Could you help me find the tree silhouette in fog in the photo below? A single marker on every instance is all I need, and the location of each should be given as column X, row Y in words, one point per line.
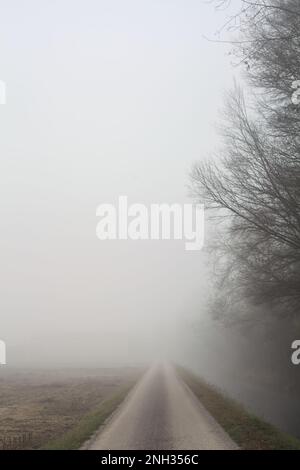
column 254, row 184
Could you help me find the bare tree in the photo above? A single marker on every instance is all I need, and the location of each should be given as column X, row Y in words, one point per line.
column 256, row 180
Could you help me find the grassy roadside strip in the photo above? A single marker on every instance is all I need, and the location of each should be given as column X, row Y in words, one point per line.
column 246, row 429
column 88, row 424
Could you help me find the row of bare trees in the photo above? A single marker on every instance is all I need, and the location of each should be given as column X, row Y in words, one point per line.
column 254, row 183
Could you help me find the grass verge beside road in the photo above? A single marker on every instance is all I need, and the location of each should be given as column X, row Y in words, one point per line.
column 88, row 424
column 244, row 428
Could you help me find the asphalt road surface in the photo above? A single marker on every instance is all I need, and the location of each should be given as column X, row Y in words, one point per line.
column 161, row 412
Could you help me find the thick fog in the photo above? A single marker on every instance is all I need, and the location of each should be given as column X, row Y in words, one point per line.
column 104, row 98
column 110, row 98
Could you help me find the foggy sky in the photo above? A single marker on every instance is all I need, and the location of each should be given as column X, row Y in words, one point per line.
column 104, row 98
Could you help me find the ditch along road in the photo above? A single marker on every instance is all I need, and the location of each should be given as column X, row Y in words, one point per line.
column 161, row 413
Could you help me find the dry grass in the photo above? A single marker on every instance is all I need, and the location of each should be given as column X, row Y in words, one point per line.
column 39, row 406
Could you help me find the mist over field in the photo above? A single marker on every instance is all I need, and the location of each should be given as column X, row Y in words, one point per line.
column 103, row 100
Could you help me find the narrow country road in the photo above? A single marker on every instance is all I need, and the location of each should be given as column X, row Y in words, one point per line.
column 161, row 413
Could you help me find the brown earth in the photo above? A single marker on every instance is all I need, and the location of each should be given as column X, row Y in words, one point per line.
column 37, row 406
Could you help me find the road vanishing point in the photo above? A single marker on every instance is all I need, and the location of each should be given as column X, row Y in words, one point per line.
column 161, row 413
